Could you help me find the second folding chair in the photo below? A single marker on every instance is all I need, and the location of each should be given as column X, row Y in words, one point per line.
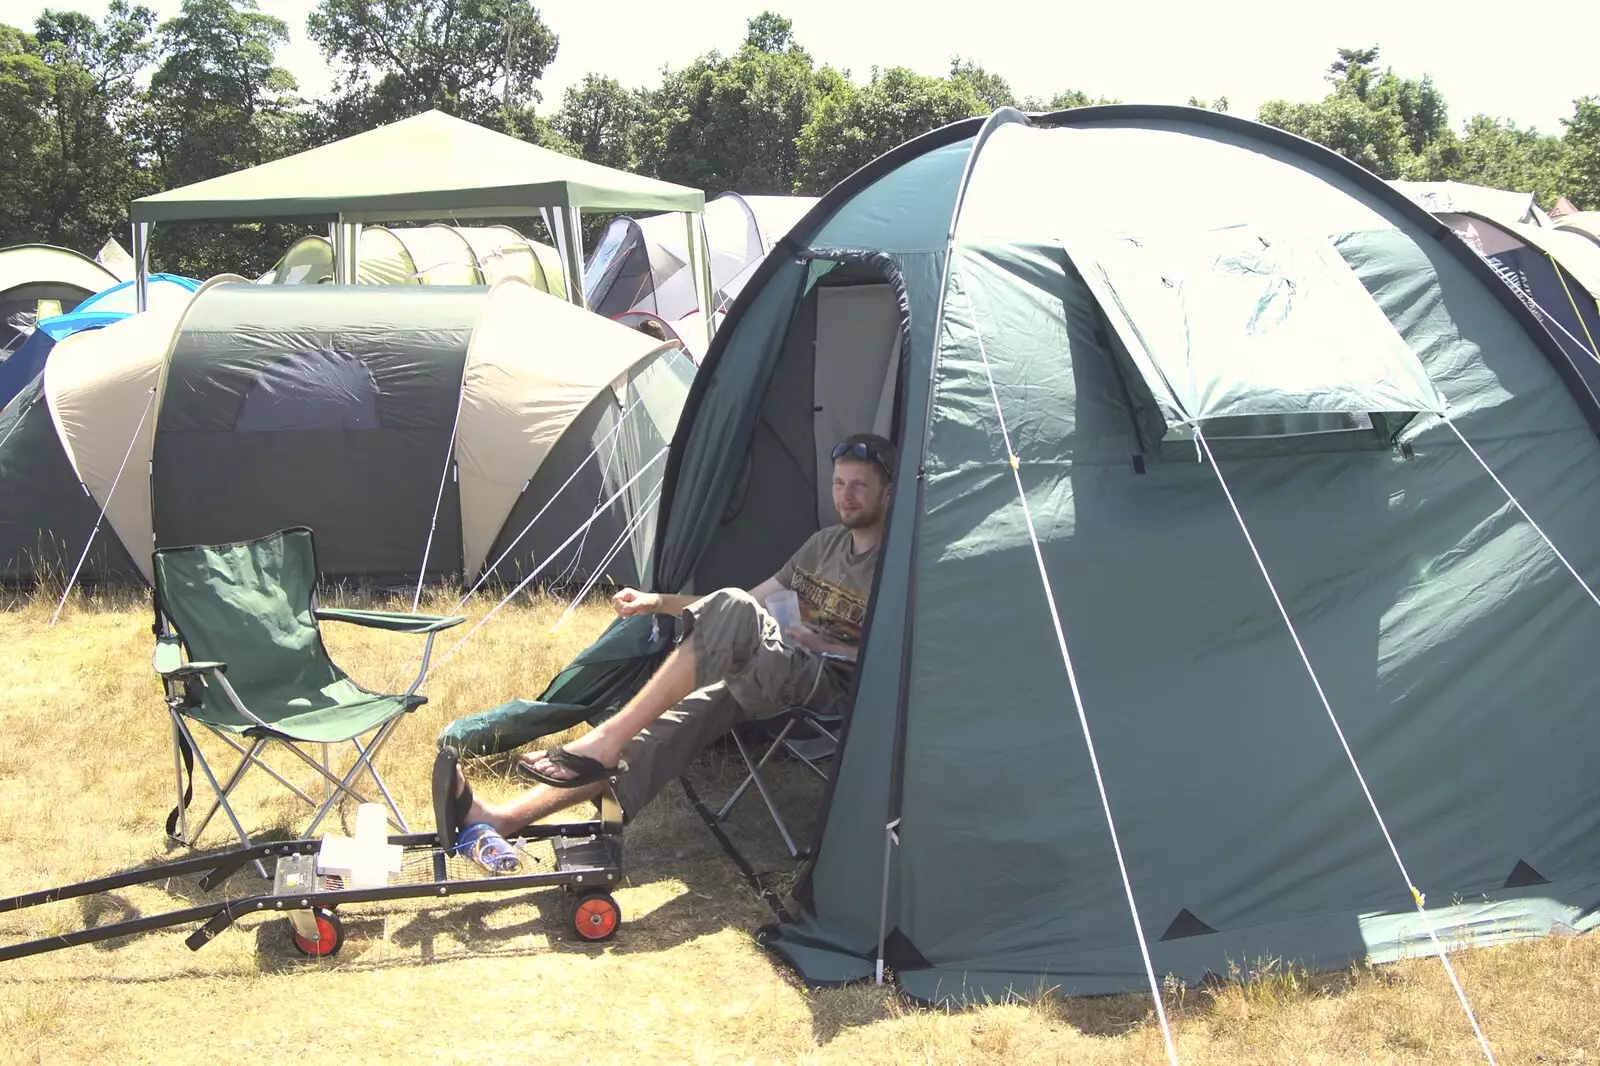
column 240, row 653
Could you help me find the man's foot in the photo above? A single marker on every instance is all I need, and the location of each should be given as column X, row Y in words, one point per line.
column 571, row 765
column 479, row 812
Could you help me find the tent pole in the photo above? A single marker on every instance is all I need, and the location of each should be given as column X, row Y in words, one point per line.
column 141, row 266
column 341, row 264
column 573, row 218
column 700, row 263
column 353, row 246
column 336, row 235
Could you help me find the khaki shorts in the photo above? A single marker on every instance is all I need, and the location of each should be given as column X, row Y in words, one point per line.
column 744, row 671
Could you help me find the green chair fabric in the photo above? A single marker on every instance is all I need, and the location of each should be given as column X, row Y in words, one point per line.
column 592, row 688
column 249, row 606
column 239, row 651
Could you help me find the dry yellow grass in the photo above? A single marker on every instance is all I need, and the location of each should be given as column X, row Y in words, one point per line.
column 84, row 755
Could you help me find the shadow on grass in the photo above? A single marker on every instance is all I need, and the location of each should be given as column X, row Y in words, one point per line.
column 668, row 842
column 109, row 908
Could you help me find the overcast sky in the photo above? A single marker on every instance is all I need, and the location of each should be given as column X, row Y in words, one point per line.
column 1491, row 59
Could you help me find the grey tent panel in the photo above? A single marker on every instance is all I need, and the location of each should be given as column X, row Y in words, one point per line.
column 45, row 515
column 550, row 509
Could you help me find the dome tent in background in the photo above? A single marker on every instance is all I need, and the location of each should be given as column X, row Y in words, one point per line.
column 496, row 394
column 438, row 254
column 1556, row 271
column 639, row 268
column 1458, row 197
column 98, row 311
column 40, row 280
column 1583, row 223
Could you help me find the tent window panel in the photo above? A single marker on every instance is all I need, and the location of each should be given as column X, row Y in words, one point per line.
column 1240, row 324
column 857, row 361
column 321, row 388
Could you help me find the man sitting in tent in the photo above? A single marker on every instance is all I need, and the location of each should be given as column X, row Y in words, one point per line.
column 731, row 665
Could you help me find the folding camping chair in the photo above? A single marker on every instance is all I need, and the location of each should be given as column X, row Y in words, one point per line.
column 257, row 671
column 822, row 745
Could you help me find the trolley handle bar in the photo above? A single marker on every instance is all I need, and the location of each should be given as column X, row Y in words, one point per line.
column 228, row 861
column 218, row 866
column 218, row 916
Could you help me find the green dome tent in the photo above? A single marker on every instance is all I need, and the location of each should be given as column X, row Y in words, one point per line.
column 1584, row 223
column 42, row 280
column 401, row 425
column 984, row 292
column 428, row 255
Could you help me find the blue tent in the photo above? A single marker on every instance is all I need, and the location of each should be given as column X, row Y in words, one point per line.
column 97, row 312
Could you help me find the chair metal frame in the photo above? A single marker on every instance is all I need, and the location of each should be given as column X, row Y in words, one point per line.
column 334, row 787
column 826, row 725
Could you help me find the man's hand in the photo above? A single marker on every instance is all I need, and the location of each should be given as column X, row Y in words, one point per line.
column 805, row 637
column 630, row 602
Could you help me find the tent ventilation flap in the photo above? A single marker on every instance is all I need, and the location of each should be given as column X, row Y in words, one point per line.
column 1253, row 334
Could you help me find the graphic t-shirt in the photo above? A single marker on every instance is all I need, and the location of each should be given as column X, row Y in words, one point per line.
column 832, row 583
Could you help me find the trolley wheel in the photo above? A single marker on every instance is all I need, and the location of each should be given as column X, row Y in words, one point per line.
column 330, row 933
column 596, row 916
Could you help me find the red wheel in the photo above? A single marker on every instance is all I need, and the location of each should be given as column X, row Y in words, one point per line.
column 596, row 916
column 330, row 936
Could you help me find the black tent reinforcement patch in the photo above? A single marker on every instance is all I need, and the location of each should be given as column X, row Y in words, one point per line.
column 1523, row 875
column 901, row 954
column 1186, row 924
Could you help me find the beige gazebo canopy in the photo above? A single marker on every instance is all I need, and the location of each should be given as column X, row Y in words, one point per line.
column 429, row 166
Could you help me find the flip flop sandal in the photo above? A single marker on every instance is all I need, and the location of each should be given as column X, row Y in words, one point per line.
column 484, row 846
column 586, row 771
column 449, row 810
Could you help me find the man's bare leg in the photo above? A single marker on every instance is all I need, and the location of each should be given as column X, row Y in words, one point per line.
column 605, row 742
column 540, row 801
column 665, row 689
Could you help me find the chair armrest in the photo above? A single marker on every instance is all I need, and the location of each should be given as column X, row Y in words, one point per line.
column 393, row 621
column 168, row 661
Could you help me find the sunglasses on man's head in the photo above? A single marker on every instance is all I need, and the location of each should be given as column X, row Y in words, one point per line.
column 860, row 450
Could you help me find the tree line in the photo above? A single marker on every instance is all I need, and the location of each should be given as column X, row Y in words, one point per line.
column 94, row 114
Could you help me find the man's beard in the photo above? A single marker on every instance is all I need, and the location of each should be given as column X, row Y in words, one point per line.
column 866, row 516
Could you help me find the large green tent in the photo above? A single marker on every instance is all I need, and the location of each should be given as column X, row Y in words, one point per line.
column 986, row 292
column 430, row 432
